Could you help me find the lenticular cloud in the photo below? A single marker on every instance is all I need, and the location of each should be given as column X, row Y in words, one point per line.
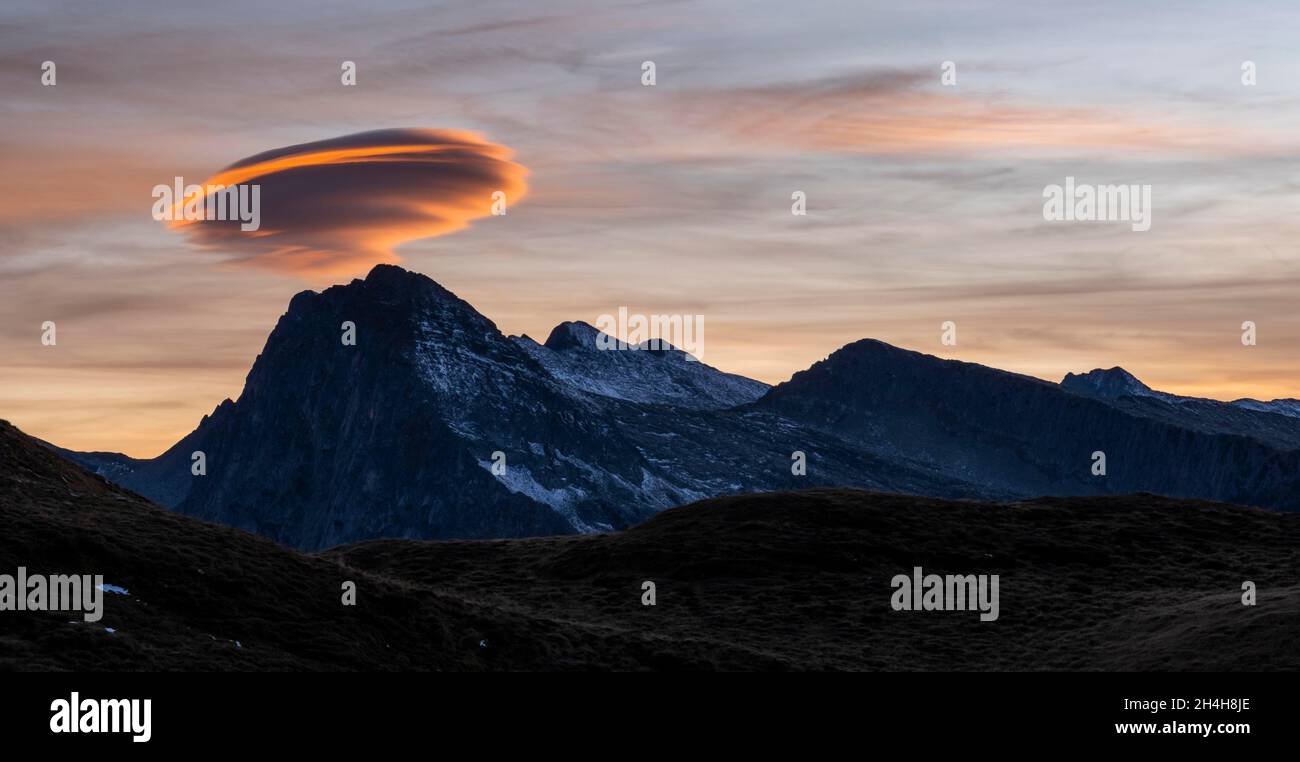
column 341, row 205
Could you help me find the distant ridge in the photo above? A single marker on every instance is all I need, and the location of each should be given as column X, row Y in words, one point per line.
column 1110, row 384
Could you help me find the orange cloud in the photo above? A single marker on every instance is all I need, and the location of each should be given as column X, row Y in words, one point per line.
column 339, row 206
column 907, row 113
column 925, row 123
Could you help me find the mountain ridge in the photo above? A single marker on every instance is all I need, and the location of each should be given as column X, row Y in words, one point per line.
column 435, row 424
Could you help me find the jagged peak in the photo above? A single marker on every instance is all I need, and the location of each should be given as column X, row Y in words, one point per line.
column 391, row 279
column 875, row 348
column 1109, row 382
column 571, row 334
column 384, row 283
column 386, row 272
column 578, row 334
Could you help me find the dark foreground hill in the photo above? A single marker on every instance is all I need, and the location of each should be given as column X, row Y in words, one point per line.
column 772, row 581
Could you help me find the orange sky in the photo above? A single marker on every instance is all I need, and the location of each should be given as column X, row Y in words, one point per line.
column 924, row 200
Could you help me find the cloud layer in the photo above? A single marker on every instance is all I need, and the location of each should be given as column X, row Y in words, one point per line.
column 339, row 206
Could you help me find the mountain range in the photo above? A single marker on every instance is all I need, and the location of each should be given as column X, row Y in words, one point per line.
column 435, row 424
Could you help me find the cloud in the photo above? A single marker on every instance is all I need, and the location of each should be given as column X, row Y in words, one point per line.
column 339, row 206
column 905, row 112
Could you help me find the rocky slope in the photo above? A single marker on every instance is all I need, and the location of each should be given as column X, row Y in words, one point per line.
column 664, row 375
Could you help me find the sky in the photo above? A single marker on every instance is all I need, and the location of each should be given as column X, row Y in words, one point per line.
column 924, row 199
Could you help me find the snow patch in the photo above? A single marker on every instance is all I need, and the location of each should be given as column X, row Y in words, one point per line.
column 520, row 480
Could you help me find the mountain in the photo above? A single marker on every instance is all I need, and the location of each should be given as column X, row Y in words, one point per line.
column 1109, row 384
column 664, row 375
column 776, row 581
column 1004, row 431
column 1117, row 382
column 1273, row 423
column 436, row 425
column 1288, row 407
column 397, row 435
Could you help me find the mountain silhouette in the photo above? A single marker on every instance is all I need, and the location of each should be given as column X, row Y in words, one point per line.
column 1005, row 431
column 434, row 424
